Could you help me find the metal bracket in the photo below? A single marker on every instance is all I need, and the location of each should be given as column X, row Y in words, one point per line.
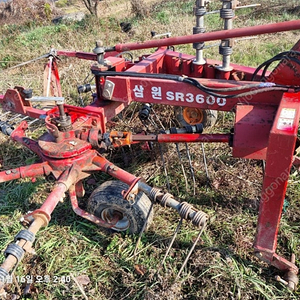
column 108, row 90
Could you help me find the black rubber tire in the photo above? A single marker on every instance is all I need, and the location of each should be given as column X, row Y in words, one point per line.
column 107, row 198
column 209, row 117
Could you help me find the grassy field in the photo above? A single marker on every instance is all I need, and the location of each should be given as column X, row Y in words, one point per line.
column 73, row 250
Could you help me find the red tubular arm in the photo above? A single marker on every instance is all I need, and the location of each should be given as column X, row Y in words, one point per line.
column 211, row 36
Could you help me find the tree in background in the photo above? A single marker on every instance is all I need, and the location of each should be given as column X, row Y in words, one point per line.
column 92, row 6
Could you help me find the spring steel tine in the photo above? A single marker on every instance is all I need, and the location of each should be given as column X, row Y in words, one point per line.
column 81, row 100
column 172, row 241
column 49, row 76
column 182, row 167
column 205, row 165
column 164, row 166
column 15, row 117
column 153, row 122
column 33, row 121
column 23, row 119
column 190, row 252
column 145, row 124
column 191, row 168
column 133, row 113
column 4, row 114
column 158, row 119
column 29, row 61
column 143, row 229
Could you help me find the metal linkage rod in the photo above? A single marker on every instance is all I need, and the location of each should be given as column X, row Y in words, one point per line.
column 182, row 138
column 211, row 36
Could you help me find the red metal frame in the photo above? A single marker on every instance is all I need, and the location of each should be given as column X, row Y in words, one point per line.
column 265, row 128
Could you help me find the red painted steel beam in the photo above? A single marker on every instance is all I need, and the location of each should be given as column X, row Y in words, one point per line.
column 211, row 36
column 55, row 196
column 279, row 160
column 26, row 171
column 114, row 171
column 287, row 71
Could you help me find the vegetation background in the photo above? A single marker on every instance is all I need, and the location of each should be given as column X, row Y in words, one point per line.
column 223, row 265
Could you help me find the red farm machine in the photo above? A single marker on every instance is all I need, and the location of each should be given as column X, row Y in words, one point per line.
column 265, row 104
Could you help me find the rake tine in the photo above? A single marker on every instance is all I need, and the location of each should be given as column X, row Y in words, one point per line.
column 143, row 229
column 158, row 119
column 172, row 241
column 153, row 123
column 134, row 110
column 145, row 124
column 164, row 166
column 24, row 119
column 3, row 122
column 124, row 156
column 28, row 62
column 33, row 121
column 191, row 168
column 15, row 117
column 4, row 114
column 182, row 167
column 190, row 252
column 81, row 100
column 205, row 165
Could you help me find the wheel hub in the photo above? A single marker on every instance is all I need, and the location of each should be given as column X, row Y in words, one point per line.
column 192, row 115
column 109, row 214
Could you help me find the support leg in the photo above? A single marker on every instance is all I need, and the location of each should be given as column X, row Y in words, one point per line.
column 278, row 164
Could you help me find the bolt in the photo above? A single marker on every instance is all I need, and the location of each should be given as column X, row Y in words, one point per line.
column 279, row 279
column 99, row 43
column 131, row 197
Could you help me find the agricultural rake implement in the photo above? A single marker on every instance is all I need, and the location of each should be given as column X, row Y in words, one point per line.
column 265, row 104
